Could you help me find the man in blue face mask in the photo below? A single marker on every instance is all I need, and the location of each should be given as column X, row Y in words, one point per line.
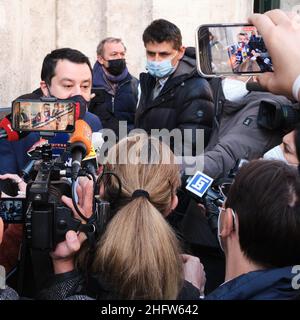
column 173, row 95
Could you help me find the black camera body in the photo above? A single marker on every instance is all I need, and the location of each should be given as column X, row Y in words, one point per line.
column 215, row 194
column 47, row 220
column 273, row 115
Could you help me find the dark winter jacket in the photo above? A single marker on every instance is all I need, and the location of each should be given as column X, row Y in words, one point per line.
column 73, row 284
column 271, row 284
column 112, row 107
column 236, row 134
column 185, row 102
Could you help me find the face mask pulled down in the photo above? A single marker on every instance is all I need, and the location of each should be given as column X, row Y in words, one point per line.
column 234, row 90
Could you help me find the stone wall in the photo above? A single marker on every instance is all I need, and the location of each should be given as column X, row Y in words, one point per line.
column 29, row 29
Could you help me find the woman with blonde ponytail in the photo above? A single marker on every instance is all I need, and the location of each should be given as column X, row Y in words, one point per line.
column 138, row 256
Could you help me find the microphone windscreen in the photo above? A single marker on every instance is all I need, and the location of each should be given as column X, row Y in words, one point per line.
column 82, row 133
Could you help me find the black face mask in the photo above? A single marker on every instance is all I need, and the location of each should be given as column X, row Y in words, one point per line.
column 81, row 106
column 116, row 67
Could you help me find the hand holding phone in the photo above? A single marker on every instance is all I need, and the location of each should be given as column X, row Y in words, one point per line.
column 231, row 49
column 281, row 33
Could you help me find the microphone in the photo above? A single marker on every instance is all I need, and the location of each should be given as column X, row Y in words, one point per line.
column 90, row 162
column 81, row 106
column 7, row 131
column 80, row 145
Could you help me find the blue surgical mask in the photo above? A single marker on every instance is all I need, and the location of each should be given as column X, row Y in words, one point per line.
column 160, row 69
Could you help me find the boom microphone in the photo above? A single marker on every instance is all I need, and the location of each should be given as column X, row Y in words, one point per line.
column 80, row 145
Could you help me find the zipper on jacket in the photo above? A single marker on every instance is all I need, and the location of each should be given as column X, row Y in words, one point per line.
column 113, row 104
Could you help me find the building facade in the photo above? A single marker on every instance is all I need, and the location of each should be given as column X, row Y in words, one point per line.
column 29, row 29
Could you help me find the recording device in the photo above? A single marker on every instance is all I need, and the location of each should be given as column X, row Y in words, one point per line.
column 81, row 142
column 12, row 210
column 7, row 132
column 273, row 115
column 211, row 193
column 46, row 114
column 9, row 186
column 231, row 49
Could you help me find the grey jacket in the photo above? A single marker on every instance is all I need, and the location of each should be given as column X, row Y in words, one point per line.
column 237, row 136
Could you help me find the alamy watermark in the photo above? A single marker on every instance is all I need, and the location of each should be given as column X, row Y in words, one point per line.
column 296, row 279
column 187, row 145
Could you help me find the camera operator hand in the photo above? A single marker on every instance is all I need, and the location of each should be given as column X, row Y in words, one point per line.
column 281, row 34
column 63, row 255
column 85, row 193
column 194, row 272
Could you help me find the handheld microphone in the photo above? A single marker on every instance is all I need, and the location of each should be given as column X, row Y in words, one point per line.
column 7, row 131
column 90, row 162
column 80, row 145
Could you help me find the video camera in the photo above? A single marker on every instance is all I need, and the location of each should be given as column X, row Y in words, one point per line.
column 274, row 115
column 46, row 219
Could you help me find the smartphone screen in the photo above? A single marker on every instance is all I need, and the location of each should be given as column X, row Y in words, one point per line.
column 58, row 116
column 231, row 49
column 12, row 210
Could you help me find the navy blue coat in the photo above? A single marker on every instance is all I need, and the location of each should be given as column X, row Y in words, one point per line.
column 270, row 284
column 112, row 107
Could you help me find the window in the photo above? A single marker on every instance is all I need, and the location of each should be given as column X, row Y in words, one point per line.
column 261, row 6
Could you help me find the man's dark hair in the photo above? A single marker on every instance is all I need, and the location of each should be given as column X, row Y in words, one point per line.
column 266, row 199
column 50, row 61
column 162, row 30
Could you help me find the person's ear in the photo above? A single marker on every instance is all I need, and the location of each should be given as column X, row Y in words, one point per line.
column 227, row 224
column 181, row 52
column 44, row 89
column 1, row 229
column 174, row 203
column 100, row 60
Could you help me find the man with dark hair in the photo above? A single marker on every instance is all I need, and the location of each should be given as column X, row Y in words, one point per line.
column 173, row 95
column 65, row 73
column 259, row 230
column 115, row 88
column 51, row 60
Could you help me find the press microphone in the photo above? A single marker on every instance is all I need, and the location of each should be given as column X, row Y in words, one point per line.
column 6, row 130
column 80, row 145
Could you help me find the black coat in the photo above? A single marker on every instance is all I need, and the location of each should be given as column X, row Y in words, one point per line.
column 112, row 107
column 185, row 102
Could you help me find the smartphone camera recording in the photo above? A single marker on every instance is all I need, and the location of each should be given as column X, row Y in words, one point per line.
column 231, row 49
column 41, row 116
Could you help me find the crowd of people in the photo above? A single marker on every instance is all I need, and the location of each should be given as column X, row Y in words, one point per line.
column 157, row 243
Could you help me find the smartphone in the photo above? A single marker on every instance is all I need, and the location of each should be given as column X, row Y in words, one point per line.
column 49, row 116
column 231, row 49
column 13, row 210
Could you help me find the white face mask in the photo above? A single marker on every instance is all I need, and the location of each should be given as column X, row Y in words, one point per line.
column 234, row 90
column 275, row 154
